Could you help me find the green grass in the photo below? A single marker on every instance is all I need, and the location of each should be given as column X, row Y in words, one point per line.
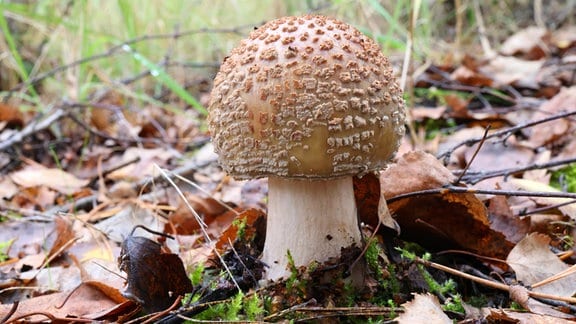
column 46, row 34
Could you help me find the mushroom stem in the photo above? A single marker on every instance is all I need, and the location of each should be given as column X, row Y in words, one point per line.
column 313, row 219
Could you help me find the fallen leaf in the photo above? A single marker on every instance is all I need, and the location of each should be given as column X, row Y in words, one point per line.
column 64, row 235
column 253, row 222
column 184, row 222
column 503, row 220
column 559, row 130
column 498, row 155
column 57, row 179
column 155, row 279
column 527, row 43
column 145, row 167
column 533, row 262
column 424, row 308
column 505, row 70
column 439, row 221
column 510, row 316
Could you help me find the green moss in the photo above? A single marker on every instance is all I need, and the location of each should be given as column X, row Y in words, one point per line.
column 565, row 178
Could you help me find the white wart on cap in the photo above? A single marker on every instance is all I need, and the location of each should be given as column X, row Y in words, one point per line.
column 305, row 97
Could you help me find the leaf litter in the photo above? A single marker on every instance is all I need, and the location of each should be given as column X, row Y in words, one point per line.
column 463, row 195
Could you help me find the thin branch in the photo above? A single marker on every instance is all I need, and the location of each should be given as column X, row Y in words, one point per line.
column 454, row 189
column 473, row 177
column 33, row 127
column 507, row 132
column 492, row 284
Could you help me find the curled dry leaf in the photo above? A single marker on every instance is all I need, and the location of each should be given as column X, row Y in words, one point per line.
column 155, row 279
column 439, row 221
column 371, row 208
column 424, row 308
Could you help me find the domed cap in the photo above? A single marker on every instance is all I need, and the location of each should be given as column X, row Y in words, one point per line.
column 305, row 97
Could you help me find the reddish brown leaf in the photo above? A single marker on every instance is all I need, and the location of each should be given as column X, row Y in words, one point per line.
column 367, row 194
column 254, row 221
column 184, row 222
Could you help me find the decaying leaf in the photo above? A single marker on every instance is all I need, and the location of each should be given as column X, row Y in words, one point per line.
column 184, row 222
column 57, row 179
column 559, row 130
column 439, row 221
column 155, row 279
column 424, row 308
column 371, row 208
column 250, row 223
column 533, row 262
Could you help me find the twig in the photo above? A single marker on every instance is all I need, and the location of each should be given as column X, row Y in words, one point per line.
column 454, row 189
column 10, row 312
column 492, row 284
column 473, row 156
column 508, row 131
column 474, row 177
column 32, row 128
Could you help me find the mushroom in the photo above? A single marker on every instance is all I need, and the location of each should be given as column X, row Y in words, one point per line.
column 308, row 102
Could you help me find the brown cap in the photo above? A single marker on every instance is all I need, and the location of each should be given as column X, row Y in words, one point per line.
column 305, row 97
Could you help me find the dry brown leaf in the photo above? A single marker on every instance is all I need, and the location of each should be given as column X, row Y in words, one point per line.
column 533, row 262
column 255, row 226
column 414, row 171
column 64, row 235
column 145, row 166
column 503, row 220
column 11, row 116
column 527, row 43
column 509, row 316
column 559, row 130
column 506, row 71
column 84, row 301
column 421, row 113
column 184, row 222
column 472, row 78
column 372, row 207
column 439, row 221
column 57, row 179
column 424, row 308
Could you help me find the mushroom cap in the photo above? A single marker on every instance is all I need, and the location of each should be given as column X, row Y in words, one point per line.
column 305, row 97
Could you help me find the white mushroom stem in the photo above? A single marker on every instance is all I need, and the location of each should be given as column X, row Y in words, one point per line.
column 313, row 219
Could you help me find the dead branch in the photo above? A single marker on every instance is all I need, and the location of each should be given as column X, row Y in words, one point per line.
column 35, row 126
column 473, row 177
column 507, row 132
column 454, row 189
